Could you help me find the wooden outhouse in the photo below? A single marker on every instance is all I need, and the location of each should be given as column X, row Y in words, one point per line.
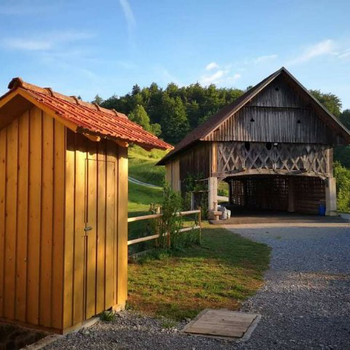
column 273, row 146
column 63, row 207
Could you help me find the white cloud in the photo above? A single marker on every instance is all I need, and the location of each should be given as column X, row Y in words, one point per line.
column 211, row 66
column 213, row 78
column 219, row 77
column 344, row 54
column 323, row 48
column 264, row 58
column 128, row 13
column 44, row 43
column 28, row 45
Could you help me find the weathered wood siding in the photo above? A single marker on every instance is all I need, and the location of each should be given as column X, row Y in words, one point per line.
column 32, row 156
column 172, row 174
column 196, row 162
column 277, row 114
column 95, row 276
column 309, row 194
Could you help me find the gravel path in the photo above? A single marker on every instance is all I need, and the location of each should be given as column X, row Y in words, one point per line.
column 305, row 303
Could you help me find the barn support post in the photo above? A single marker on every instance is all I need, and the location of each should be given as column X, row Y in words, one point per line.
column 331, row 197
column 291, row 191
column 212, row 193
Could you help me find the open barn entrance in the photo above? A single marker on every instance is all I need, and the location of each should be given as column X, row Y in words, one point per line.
column 276, row 193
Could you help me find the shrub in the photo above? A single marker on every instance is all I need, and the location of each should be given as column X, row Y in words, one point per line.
column 342, row 176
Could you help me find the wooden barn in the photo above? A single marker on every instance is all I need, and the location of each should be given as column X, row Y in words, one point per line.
column 273, row 146
column 63, row 207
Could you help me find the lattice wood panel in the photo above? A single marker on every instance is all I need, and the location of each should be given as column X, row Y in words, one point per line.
column 240, row 157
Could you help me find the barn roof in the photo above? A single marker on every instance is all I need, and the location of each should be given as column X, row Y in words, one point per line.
column 82, row 117
column 200, row 133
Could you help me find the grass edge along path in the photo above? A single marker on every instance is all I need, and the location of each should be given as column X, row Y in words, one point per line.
column 223, row 272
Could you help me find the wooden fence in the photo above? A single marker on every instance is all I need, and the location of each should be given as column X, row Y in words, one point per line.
column 157, row 216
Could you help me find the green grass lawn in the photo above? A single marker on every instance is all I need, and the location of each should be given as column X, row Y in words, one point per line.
column 221, row 273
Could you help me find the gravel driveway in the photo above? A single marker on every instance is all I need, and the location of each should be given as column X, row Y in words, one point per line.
column 305, row 303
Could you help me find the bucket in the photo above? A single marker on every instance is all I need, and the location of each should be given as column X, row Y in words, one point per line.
column 322, row 210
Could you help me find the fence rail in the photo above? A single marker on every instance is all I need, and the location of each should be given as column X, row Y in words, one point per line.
column 157, row 216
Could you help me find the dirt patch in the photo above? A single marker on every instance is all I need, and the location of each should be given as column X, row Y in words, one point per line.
column 14, row 337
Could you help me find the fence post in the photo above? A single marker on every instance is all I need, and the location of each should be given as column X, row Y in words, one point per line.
column 200, row 224
column 157, row 226
column 169, row 241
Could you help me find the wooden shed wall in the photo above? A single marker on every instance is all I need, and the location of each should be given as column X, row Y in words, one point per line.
column 195, row 161
column 96, row 196
column 277, row 114
column 32, row 157
column 172, row 174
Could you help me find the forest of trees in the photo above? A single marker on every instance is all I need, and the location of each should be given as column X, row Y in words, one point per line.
column 172, row 112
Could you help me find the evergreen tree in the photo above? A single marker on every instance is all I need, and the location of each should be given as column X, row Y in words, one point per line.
column 140, row 116
column 98, row 100
column 174, row 122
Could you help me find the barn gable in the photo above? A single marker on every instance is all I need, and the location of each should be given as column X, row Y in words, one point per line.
column 279, row 113
column 317, row 125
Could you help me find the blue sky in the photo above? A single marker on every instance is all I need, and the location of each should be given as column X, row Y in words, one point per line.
column 87, row 47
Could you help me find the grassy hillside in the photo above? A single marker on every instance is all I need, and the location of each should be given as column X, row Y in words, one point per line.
column 140, row 198
column 142, row 165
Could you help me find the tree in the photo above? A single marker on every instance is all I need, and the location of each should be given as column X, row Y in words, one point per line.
column 174, row 122
column 140, row 116
column 135, row 90
column 345, row 118
column 98, row 100
column 330, row 101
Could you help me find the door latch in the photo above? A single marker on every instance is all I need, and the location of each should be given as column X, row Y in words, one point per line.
column 87, row 228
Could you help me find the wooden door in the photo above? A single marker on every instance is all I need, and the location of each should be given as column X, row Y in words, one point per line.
column 98, row 235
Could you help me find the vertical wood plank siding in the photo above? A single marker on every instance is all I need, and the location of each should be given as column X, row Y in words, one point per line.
column 32, row 150
column 54, row 184
column 195, row 162
column 96, row 196
column 277, row 114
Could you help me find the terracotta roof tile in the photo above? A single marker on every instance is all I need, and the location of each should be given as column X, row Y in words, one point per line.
column 91, row 118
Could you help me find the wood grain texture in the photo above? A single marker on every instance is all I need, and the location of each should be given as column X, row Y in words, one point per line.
column 34, row 223
column 46, row 220
column 101, row 228
column 53, row 274
column 58, row 225
column 11, row 220
column 122, row 237
column 79, row 236
column 3, row 165
column 91, row 235
column 69, row 231
column 22, row 233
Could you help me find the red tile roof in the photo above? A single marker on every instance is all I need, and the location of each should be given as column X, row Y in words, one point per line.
column 90, row 118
